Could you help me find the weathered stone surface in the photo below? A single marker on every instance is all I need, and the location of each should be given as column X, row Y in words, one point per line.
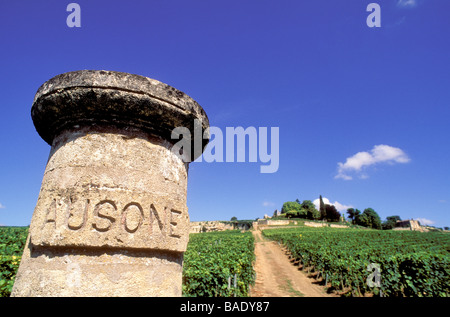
column 97, row 98
column 111, row 218
column 209, row 226
column 98, row 272
column 112, row 189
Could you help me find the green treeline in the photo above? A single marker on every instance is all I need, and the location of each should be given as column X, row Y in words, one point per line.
column 306, row 209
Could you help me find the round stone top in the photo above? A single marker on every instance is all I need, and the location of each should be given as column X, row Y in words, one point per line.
column 109, row 98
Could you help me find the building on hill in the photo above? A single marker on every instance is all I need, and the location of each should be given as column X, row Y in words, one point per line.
column 410, row 224
column 276, row 213
column 208, row 226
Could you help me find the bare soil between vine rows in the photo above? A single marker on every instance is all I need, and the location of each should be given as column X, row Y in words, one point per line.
column 277, row 276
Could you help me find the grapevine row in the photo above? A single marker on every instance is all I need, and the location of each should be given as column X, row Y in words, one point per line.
column 215, row 264
column 12, row 242
column 219, row 264
column 411, row 263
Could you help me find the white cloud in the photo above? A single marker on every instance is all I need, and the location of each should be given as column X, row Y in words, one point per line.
column 379, row 154
column 407, row 3
column 425, row 222
column 343, row 176
column 363, row 176
column 1, row 206
column 340, row 207
column 268, row 203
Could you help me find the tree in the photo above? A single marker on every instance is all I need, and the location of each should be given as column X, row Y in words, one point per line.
column 302, row 213
column 352, row 214
column 369, row 218
column 308, row 204
column 233, row 219
column 310, row 210
column 290, row 206
column 361, row 220
column 293, row 214
column 390, row 222
column 305, row 209
column 322, row 210
column 289, row 214
column 313, row 214
column 332, row 214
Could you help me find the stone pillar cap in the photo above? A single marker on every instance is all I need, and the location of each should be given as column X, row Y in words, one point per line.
column 108, row 98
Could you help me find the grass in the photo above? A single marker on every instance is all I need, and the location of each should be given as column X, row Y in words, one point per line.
column 287, row 286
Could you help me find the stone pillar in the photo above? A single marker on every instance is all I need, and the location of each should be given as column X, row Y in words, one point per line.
column 111, row 218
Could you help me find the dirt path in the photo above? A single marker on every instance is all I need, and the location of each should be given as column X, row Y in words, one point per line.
column 276, row 276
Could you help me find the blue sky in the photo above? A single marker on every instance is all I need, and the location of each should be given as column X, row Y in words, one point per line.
column 363, row 113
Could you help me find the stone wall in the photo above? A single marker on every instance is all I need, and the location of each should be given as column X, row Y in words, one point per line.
column 209, row 226
column 268, row 222
column 315, row 224
column 339, row 226
column 323, row 224
column 412, row 225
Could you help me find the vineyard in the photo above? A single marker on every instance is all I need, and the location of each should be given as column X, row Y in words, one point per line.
column 409, row 263
column 219, row 264
column 215, row 264
column 12, row 242
column 345, row 261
